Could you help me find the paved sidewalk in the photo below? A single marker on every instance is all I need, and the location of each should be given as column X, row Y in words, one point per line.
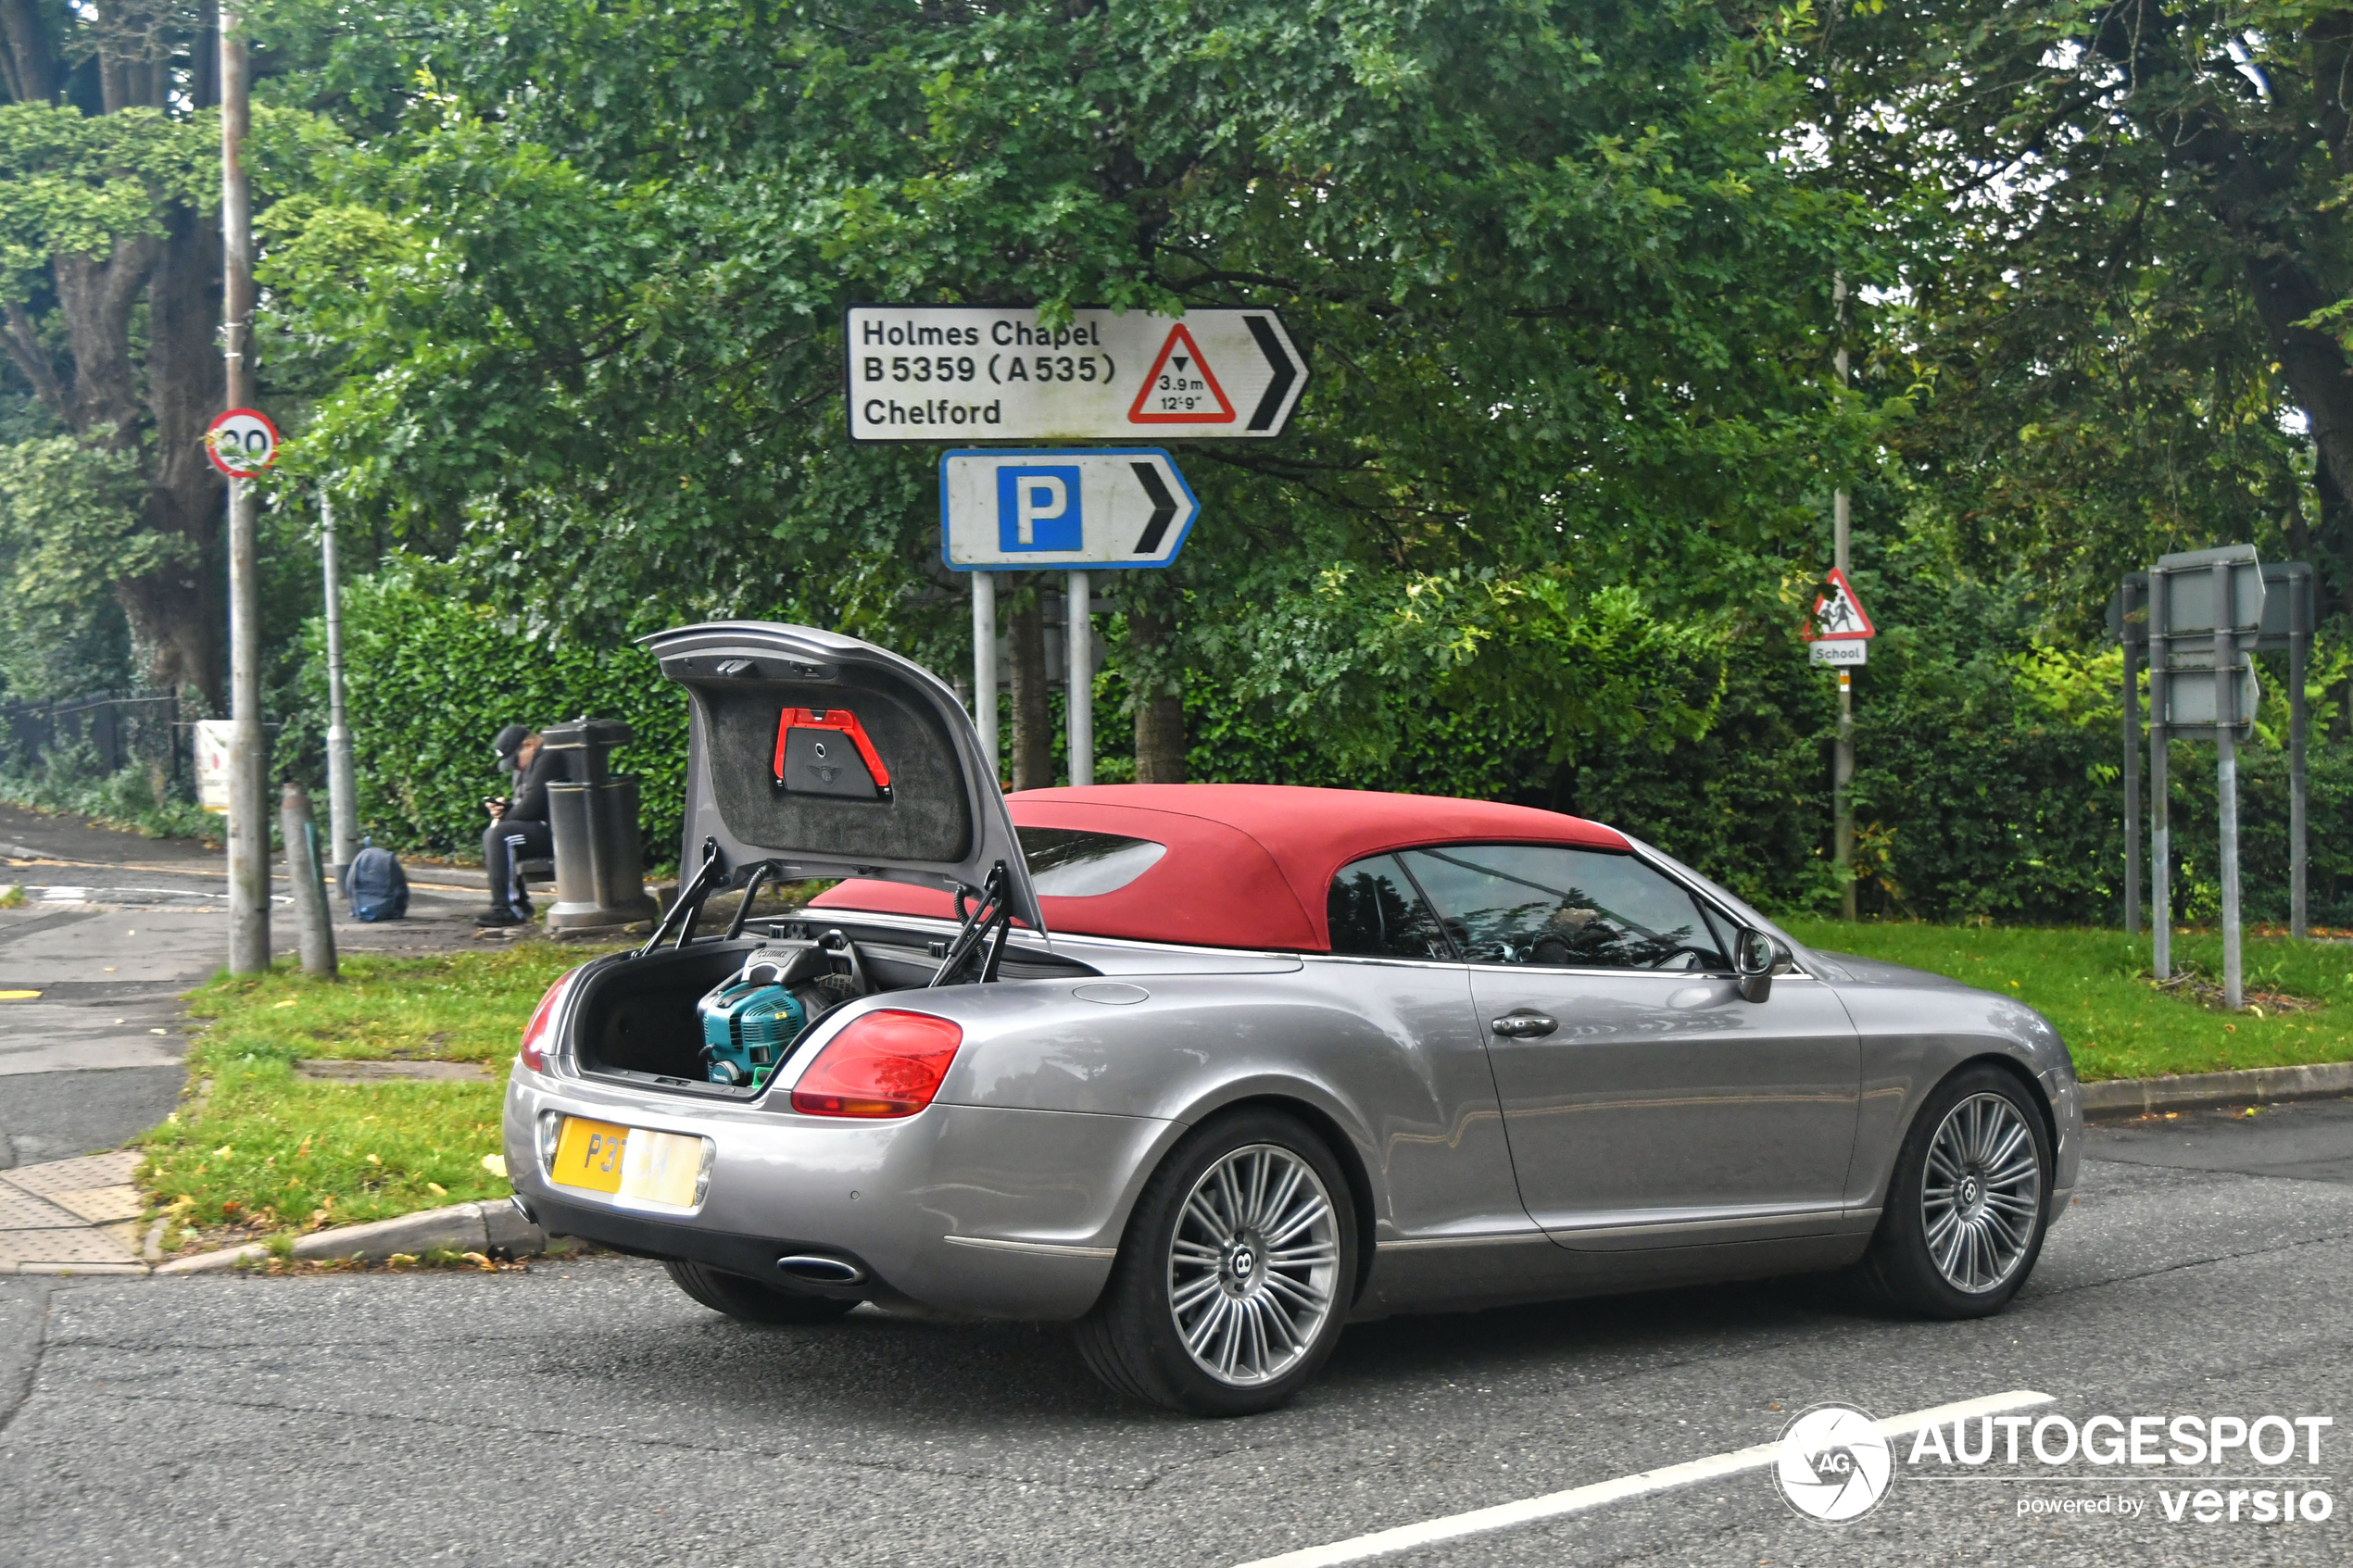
column 72, row 1216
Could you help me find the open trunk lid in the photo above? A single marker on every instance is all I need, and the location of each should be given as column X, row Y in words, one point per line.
column 835, row 759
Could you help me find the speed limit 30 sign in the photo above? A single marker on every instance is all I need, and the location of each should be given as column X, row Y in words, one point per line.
column 242, row 443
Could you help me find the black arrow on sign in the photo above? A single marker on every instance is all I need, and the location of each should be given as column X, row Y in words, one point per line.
column 1284, row 372
column 1164, row 507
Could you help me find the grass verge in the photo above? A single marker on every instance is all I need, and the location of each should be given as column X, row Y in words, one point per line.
column 2092, row 983
column 264, row 1152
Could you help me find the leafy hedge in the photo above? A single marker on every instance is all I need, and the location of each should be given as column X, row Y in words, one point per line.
column 432, row 677
column 1987, row 785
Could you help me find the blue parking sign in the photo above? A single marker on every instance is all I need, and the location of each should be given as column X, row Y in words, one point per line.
column 1038, row 509
column 1087, row 507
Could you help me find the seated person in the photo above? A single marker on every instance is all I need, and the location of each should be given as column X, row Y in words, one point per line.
column 517, row 829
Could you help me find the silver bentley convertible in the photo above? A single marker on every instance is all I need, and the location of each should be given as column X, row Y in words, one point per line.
column 1211, row 1071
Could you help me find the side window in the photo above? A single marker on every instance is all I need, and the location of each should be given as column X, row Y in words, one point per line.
column 1375, row 912
column 1575, row 908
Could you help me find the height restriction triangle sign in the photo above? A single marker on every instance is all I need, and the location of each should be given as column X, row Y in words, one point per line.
column 1180, row 388
column 1838, row 615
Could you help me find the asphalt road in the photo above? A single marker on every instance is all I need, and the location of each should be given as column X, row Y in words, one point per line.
column 586, row 1411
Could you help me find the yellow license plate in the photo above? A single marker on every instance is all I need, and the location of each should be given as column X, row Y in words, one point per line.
column 629, row 1163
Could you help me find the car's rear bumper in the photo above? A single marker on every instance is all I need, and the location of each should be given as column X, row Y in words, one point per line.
column 964, row 1208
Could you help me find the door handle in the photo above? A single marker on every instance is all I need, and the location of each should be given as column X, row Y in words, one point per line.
column 1523, row 1025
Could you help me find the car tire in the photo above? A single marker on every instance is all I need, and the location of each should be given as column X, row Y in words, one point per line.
column 748, row 1300
column 1236, row 1274
column 1969, row 1201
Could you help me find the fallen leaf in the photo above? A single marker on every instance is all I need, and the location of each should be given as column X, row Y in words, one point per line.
column 495, row 1163
column 223, row 1152
column 373, row 1161
column 437, row 1189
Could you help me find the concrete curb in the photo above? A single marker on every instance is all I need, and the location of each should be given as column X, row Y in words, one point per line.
column 2199, row 1091
column 464, row 1227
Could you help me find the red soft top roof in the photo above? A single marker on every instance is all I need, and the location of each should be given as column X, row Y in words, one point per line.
column 1247, row 865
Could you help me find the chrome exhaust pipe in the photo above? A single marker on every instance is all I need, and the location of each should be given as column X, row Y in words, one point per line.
column 818, row 1269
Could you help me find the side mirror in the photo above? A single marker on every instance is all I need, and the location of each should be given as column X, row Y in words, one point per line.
column 1754, row 955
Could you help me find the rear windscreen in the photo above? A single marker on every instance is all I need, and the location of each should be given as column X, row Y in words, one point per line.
column 1072, row 864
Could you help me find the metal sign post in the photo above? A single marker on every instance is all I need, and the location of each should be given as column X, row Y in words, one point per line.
column 985, row 662
column 2161, row 789
column 958, row 372
column 2299, row 653
column 343, row 806
column 2288, row 628
column 2128, row 622
column 1078, row 626
column 2205, row 617
column 2226, row 779
column 1840, row 632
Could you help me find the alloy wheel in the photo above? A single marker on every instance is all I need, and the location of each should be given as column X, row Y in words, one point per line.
column 1253, row 1268
column 1981, row 1193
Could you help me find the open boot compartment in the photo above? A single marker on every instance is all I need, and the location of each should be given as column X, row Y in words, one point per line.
column 640, row 1018
column 635, row 1017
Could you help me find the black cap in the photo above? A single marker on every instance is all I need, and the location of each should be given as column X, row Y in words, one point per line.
column 508, row 742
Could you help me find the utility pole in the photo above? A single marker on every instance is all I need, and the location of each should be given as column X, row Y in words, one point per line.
column 343, row 806
column 248, row 782
column 1842, row 767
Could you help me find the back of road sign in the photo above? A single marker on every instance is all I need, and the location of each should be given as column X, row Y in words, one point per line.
column 941, row 372
column 1003, row 510
column 2189, row 590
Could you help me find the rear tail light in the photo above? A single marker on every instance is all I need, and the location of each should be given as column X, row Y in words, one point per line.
column 884, row 1064
column 543, row 1023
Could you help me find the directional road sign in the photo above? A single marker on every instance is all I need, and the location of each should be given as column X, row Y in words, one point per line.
column 989, row 373
column 242, row 443
column 1087, row 507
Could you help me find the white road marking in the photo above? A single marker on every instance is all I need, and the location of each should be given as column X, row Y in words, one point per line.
column 1577, row 1500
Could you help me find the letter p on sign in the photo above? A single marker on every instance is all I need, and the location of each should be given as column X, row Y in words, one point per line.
column 1038, row 508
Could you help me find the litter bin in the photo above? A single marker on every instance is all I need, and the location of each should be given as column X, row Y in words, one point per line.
column 593, row 818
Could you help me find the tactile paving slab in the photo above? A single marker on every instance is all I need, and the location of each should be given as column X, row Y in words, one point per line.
column 70, row 1213
column 21, row 1212
column 52, row 1177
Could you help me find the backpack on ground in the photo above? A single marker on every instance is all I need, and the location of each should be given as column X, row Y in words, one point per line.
column 376, row 885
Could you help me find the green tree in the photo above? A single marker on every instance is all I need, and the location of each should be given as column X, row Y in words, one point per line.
column 2132, row 312
column 110, row 279
column 577, row 282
